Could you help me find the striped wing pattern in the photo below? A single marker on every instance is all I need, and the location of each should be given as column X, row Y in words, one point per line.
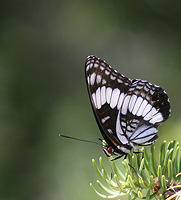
column 127, row 111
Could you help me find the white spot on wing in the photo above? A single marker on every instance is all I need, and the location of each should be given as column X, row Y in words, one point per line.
column 121, row 97
column 101, row 68
column 110, row 131
column 105, row 119
column 114, row 98
column 129, row 128
column 91, row 65
column 92, row 78
column 88, row 80
column 103, row 81
column 137, row 105
column 132, row 102
column 107, row 72
column 119, row 80
column 96, row 65
column 123, row 124
column 98, row 79
column 119, row 131
column 139, row 87
column 151, row 92
column 98, row 98
column 103, row 95
column 156, row 118
column 146, row 89
column 108, row 94
column 123, row 149
column 103, row 63
column 112, row 77
column 131, row 89
column 94, row 99
column 88, row 62
column 124, row 108
column 87, row 68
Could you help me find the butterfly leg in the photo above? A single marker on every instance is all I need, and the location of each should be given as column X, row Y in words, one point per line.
column 116, row 158
column 134, row 170
column 138, row 152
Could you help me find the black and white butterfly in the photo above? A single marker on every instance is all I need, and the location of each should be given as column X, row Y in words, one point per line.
column 127, row 111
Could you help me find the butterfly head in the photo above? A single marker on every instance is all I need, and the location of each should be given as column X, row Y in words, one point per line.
column 108, row 150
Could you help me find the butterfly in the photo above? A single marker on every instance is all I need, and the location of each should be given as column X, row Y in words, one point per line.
column 127, row 111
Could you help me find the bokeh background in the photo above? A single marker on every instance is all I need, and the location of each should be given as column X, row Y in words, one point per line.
column 43, row 48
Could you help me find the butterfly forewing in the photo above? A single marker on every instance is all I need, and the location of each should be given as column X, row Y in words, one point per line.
column 127, row 111
column 106, row 90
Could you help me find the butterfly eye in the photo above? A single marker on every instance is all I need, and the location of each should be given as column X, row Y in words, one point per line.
column 108, row 150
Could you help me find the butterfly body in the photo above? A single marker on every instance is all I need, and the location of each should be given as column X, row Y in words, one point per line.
column 127, row 111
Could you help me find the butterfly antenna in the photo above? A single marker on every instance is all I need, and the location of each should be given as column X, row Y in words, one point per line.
column 79, row 139
column 134, row 170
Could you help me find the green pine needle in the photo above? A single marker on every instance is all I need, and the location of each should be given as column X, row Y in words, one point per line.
column 148, row 179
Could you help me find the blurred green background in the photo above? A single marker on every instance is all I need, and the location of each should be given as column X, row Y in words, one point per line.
column 43, row 48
